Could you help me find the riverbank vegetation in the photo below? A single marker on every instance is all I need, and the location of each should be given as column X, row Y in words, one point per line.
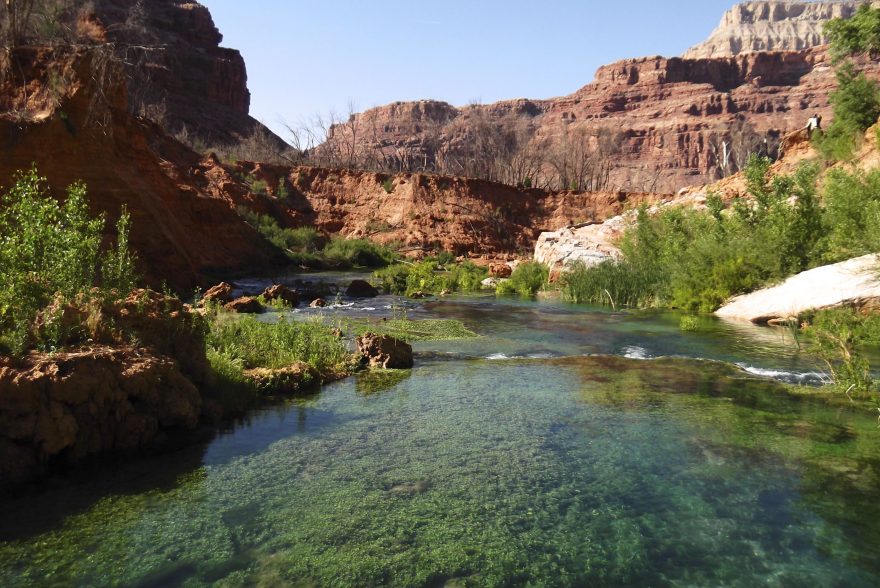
column 856, row 101
column 304, row 246
column 526, row 280
column 50, row 258
column 433, row 276
column 695, row 260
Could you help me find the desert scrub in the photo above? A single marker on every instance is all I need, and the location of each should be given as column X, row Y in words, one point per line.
column 51, row 253
column 526, row 280
column 431, row 277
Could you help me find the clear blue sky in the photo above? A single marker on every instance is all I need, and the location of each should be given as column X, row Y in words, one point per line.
column 305, row 57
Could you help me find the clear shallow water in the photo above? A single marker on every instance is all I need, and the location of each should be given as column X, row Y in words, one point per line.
column 565, row 469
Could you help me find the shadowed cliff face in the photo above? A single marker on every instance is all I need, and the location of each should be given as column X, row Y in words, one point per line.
column 182, row 233
column 179, row 75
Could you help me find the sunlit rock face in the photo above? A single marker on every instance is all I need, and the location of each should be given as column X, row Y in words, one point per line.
column 770, row 26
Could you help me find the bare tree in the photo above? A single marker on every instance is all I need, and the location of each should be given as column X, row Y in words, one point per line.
column 17, row 21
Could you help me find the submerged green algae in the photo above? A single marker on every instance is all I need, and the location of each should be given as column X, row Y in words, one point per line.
column 596, row 471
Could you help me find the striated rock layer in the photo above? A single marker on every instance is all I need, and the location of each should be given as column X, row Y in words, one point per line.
column 671, row 117
column 428, row 212
column 771, row 26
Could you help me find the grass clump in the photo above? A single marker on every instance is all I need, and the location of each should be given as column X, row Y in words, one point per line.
column 430, row 277
column 613, row 282
column 305, row 246
column 246, row 343
column 526, row 280
column 50, row 252
column 411, row 330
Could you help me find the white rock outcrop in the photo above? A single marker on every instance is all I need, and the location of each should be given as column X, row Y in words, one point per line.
column 771, row 26
column 855, row 282
column 589, row 243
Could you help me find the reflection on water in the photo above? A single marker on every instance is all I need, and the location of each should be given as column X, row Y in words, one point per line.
column 561, row 467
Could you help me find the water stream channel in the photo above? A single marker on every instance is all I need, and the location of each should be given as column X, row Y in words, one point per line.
column 567, row 445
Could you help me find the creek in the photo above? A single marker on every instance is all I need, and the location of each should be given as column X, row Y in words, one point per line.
column 566, row 445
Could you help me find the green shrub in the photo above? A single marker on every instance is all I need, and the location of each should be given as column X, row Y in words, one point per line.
column 464, row 277
column 282, row 193
column 851, row 215
column 425, row 278
column 392, row 279
column 859, row 34
column 388, row 186
column 51, row 250
column 526, row 280
column 346, row 253
column 856, row 103
column 697, row 259
column 305, row 246
column 838, row 338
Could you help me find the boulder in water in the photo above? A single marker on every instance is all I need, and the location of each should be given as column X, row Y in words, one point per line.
column 385, row 352
column 361, row 289
column 849, row 283
column 279, row 292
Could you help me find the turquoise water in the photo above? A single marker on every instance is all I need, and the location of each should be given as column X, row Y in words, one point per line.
column 534, row 455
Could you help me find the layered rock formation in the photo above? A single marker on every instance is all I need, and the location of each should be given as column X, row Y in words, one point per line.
column 666, row 119
column 428, row 212
column 771, row 26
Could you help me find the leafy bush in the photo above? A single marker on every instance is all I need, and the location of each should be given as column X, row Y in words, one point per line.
column 859, row 34
column 392, row 279
column 342, row 252
column 526, row 280
column 388, row 186
column 696, row 260
column 305, row 246
column 856, row 103
column 425, row 278
column 838, row 338
column 851, row 215
column 51, row 251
